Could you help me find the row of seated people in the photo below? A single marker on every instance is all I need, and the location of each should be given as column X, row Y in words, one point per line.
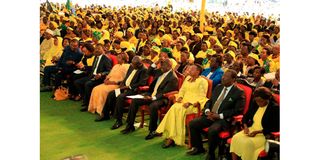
column 129, row 77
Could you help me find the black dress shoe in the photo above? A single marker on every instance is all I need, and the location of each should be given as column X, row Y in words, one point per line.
column 195, row 151
column 151, row 135
column 84, row 109
column 83, row 105
column 116, row 125
column 168, row 143
column 128, row 129
column 101, row 118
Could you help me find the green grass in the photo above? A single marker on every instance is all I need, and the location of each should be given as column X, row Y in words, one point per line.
column 65, row 131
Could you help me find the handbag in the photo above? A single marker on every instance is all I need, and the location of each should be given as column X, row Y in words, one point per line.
column 61, row 93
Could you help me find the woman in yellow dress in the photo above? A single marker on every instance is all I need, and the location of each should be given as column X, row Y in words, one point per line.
column 192, row 93
column 261, row 119
column 100, row 93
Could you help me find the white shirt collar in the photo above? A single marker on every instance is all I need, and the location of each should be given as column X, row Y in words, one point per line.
column 229, row 88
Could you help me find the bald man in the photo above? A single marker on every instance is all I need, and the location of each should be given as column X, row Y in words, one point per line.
column 136, row 76
column 165, row 80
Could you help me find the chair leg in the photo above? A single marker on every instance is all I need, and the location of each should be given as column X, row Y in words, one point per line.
column 189, row 137
column 142, row 118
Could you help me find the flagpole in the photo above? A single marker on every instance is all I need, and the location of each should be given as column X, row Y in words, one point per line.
column 202, row 19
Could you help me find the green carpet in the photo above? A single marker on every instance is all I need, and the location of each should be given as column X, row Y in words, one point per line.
column 65, row 132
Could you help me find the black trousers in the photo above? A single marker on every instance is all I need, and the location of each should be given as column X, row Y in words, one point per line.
column 64, row 74
column 48, row 72
column 71, row 83
column 154, row 106
column 215, row 127
column 84, row 86
column 116, row 104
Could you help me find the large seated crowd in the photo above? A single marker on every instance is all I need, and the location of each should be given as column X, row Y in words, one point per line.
column 104, row 54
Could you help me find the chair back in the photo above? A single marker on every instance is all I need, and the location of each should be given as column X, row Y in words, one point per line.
column 113, row 59
column 276, row 97
column 247, row 92
column 210, row 84
column 180, row 79
column 149, row 80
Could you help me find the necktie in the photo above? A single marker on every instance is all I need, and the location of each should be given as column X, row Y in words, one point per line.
column 129, row 79
column 219, row 101
column 94, row 63
column 160, row 79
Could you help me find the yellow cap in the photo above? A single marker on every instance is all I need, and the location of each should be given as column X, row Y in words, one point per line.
column 161, row 29
column 54, row 24
column 254, row 56
column 166, row 37
column 131, row 30
column 77, row 38
column 191, row 32
column 199, row 35
column 211, row 52
column 221, row 29
column 205, row 34
column 70, row 28
column 231, row 32
column 156, row 49
column 118, row 34
column 157, row 41
column 125, row 44
column 232, row 54
column 209, row 29
column 233, row 44
column 66, row 19
column 184, row 38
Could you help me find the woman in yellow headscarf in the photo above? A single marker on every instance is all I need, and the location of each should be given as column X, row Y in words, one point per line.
column 54, row 52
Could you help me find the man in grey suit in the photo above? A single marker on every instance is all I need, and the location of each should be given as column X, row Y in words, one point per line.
column 227, row 101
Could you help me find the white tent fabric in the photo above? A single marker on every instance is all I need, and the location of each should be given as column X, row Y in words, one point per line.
column 265, row 7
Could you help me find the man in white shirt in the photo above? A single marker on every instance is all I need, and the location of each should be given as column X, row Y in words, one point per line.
column 100, row 68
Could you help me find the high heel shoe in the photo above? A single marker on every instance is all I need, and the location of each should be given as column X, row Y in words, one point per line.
column 168, row 143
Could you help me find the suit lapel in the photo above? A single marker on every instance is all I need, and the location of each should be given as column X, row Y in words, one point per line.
column 226, row 99
column 100, row 64
column 217, row 94
column 128, row 73
column 165, row 79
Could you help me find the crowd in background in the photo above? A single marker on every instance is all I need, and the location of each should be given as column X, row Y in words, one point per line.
column 99, row 49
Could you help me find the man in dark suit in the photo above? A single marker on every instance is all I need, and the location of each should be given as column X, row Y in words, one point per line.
column 227, row 101
column 100, row 68
column 66, row 65
column 136, row 76
column 165, row 80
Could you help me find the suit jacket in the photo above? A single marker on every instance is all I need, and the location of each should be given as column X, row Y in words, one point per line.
column 215, row 77
column 139, row 79
column 195, row 48
column 104, row 66
column 168, row 84
column 270, row 120
column 269, row 85
column 232, row 104
column 69, row 55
